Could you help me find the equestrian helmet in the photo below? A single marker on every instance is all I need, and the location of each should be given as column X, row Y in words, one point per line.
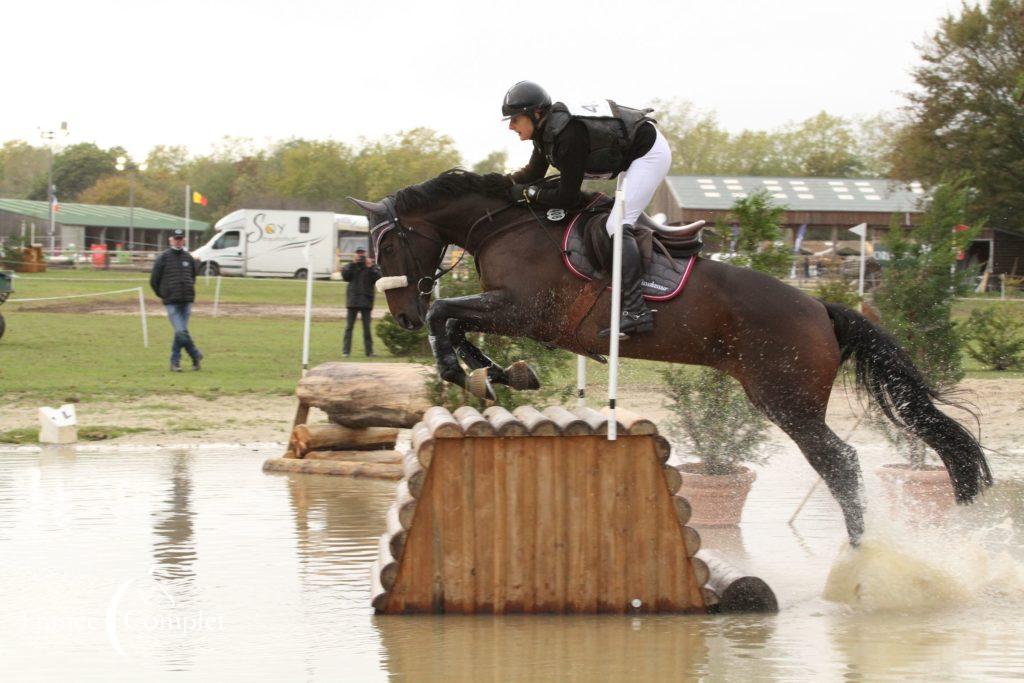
column 523, row 98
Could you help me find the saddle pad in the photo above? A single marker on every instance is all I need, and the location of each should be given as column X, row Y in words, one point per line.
column 663, row 279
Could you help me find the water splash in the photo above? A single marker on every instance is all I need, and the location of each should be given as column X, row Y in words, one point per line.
column 906, row 567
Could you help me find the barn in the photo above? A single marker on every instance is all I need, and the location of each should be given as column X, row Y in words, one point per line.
column 822, row 210
column 80, row 226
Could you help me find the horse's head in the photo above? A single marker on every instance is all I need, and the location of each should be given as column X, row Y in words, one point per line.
column 408, row 255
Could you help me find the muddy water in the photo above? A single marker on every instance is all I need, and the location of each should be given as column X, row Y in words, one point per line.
column 122, row 565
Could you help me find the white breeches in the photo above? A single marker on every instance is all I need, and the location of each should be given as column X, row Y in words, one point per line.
column 643, row 177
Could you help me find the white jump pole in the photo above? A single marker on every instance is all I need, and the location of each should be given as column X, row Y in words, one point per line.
column 613, row 338
column 309, row 310
column 581, row 381
column 216, row 296
column 142, row 315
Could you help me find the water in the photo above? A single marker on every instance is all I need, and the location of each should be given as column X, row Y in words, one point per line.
column 196, row 564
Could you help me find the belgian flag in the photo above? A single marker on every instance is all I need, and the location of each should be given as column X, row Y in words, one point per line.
column 198, row 198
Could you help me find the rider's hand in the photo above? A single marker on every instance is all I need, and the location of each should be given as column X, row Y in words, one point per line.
column 517, row 192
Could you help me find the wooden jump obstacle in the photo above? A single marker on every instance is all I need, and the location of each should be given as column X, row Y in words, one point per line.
column 535, row 511
column 366, row 403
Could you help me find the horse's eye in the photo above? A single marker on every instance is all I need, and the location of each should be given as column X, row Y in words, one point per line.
column 387, row 249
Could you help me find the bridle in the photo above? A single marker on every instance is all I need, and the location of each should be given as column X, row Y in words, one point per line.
column 424, row 279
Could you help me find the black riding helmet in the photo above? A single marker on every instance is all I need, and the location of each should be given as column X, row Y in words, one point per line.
column 523, row 98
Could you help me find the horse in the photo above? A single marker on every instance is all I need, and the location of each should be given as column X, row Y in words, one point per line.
column 784, row 346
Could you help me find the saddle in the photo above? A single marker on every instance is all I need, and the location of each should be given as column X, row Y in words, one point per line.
column 668, row 257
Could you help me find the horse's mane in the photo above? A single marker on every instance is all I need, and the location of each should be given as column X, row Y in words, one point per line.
column 451, row 184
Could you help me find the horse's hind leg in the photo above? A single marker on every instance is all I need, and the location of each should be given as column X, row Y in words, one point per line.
column 799, row 410
column 836, row 462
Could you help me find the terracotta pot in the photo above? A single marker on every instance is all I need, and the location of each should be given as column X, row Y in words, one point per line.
column 716, row 499
column 926, row 493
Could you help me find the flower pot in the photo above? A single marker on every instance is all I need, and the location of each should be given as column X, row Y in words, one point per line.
column 716, row 499
column 926, row 493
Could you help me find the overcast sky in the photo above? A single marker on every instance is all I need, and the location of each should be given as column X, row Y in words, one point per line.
column 139, row 73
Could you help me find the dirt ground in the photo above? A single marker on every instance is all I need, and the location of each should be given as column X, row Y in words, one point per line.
column 227, row 310
column 258, row 419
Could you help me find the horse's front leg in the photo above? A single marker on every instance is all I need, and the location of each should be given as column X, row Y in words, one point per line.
column 449, row 319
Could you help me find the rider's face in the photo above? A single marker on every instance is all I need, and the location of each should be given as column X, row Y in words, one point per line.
column 522, row 125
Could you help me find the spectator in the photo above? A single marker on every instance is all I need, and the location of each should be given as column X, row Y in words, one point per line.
column 361, row 275
column 174, row 281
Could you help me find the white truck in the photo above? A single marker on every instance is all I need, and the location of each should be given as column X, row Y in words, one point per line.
column 272, row 243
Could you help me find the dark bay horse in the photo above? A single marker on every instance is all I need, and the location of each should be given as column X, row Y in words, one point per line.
column 784, row 346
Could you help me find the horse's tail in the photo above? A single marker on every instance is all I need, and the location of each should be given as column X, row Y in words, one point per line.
column 885, row 370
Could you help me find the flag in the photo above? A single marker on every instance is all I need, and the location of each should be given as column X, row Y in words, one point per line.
column 54, row 204
column 198, row 198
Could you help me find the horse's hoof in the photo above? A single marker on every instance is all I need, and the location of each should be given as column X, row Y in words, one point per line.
column 479, row 385
column 521, row 376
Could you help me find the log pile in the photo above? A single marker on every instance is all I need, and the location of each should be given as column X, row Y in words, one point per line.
column 367, row 404
column 536, row 511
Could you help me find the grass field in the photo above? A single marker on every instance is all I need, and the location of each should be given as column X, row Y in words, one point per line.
column 57, row 354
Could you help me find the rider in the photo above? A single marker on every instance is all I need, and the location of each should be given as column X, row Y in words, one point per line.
column 594, row 140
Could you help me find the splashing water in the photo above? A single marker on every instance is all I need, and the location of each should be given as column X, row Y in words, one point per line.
column 900, row 566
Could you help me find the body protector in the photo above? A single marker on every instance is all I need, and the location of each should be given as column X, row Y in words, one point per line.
column 611, row 127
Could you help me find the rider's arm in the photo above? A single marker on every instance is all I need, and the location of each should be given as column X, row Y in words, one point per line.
column 534, row 169
column 571, row 150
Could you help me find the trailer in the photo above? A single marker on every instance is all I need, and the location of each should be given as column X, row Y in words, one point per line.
column 274, row 243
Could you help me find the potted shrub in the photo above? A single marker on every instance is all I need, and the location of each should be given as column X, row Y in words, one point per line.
column 712, row 415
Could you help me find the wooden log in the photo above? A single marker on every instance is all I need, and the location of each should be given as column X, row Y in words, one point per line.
column 683, row 509
column 368, row 394
column 710, row 598
column 662, row 448
column 423, row 443
column 504, row 422
column 536, row 423
column 472, row 422
column 673, row 479
column 301, row 414
column 568, row 424
column 441, row 423
column 378, row 594
column 387, row 565
column 691, row 539
column 386, row 457
column 737, row 591
column 598, row 422
column 371, row 470
column 701, row 573
column 334, row 437
column 413, row 474
column 396, row 535
column 406, row 504
column 631, row 423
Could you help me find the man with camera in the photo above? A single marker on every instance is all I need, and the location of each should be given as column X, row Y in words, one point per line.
column 361, row 275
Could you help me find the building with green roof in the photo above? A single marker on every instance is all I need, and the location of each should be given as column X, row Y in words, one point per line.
column 80, row 226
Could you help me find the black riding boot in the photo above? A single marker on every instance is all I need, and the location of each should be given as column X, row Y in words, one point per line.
column 635, row 317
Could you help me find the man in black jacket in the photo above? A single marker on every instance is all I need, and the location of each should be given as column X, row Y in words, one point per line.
column 174, row 281
column 361, row 275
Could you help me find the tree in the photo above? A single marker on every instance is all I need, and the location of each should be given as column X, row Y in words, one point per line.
column 760, row 226
column 966, row 116
column 822, row 146
column 495, row 162
column 77, row 168
column 22, row 167
column 398, row 161
column 919, row 283
column 114, row 190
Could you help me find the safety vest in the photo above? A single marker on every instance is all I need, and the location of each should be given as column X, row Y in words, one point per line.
column 611, row 127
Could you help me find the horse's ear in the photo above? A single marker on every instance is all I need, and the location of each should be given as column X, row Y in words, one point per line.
column 368, row 207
